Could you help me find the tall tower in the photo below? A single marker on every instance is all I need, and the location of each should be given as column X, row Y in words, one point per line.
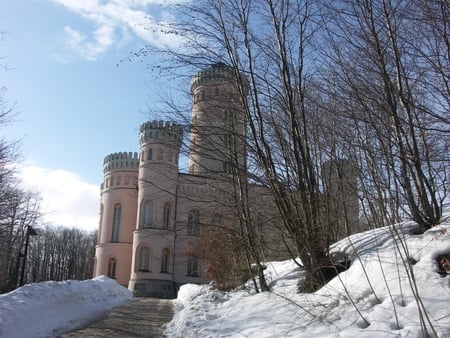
column 153, row 240
column 117, row 216
column 217, row 141
column 341, row 193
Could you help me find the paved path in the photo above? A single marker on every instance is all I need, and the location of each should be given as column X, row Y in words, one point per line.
column 141, row 318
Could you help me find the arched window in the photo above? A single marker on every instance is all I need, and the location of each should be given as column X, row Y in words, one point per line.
column 144, row 259
column 150, row 154
column 166, row 215
column 192, row 268
column 116, row 223
column 112, row 268
column 147, row 214
column 165, row 260
column 193, row 223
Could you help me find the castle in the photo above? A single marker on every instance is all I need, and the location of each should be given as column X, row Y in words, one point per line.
column 150, row 211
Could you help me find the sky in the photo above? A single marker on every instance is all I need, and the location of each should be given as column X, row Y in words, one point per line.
column 387, row 304
column 77, row 96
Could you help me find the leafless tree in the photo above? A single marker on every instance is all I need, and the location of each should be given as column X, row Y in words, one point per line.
column 389, row 66
column 279, row 67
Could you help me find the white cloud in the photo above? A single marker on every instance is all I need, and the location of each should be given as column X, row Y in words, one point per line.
column 113, row 20
column 66, row 199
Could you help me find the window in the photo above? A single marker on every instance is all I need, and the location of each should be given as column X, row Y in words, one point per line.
column 144, row 259
column 226, row 140
column 112, row 268
column 166, row 215
column 147, row 214
column 216, row 219
column 192, row 268
column 150, row 154
column 227, row 167
column 165, row 260
column 193, row 223
column 116, row 223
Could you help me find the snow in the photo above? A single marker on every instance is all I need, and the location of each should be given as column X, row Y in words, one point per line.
column 376, row 285
column 390, row 310
column 48, row 309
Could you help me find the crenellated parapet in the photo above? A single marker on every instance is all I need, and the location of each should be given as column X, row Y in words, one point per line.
column 161, row 132
column 121, row 161
column 218, row 72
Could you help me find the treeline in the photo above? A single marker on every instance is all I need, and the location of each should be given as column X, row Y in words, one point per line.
column 60, row 253
column 53, row 253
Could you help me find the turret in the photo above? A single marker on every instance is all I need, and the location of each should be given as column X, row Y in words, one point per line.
column 158, row 170
column 218, row 122
column 117, row 216
column 153, row 241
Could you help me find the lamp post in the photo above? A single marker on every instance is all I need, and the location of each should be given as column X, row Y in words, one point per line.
column 30, row 232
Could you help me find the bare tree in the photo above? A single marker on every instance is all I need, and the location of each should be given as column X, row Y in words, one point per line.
column 279, row 66
column 392, row 87
column 60, row 253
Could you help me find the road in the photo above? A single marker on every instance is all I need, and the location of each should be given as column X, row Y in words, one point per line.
column 142, row 318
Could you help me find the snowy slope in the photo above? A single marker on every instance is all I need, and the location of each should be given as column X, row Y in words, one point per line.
column 376, row 284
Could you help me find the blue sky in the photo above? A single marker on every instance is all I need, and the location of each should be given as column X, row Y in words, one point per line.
column 75, row 100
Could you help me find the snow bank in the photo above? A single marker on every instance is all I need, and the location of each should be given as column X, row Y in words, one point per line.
column 376, row 285
column 48, row 308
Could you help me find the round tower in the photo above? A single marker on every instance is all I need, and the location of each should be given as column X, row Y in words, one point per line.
column 217, row 140
column 153, row 240
column 117, row 216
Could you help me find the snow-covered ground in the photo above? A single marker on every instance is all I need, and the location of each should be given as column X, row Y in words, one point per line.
column 373, row 298
column 390, row 310
column 50, row 308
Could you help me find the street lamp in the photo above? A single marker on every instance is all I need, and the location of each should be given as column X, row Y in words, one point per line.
column 30, row 232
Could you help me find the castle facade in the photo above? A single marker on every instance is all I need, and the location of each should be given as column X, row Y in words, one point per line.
column 151, row 212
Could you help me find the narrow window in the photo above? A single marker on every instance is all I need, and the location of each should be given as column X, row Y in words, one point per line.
column 216, row 219
column 226, row 141
column 192, row 268
column 144, row 259
column 116, row 223
column 112, row 268
column 150, row 154
column 227, row 167
column 193, row 223
column 165, row 260
column 166, row 215
column 147, row 216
